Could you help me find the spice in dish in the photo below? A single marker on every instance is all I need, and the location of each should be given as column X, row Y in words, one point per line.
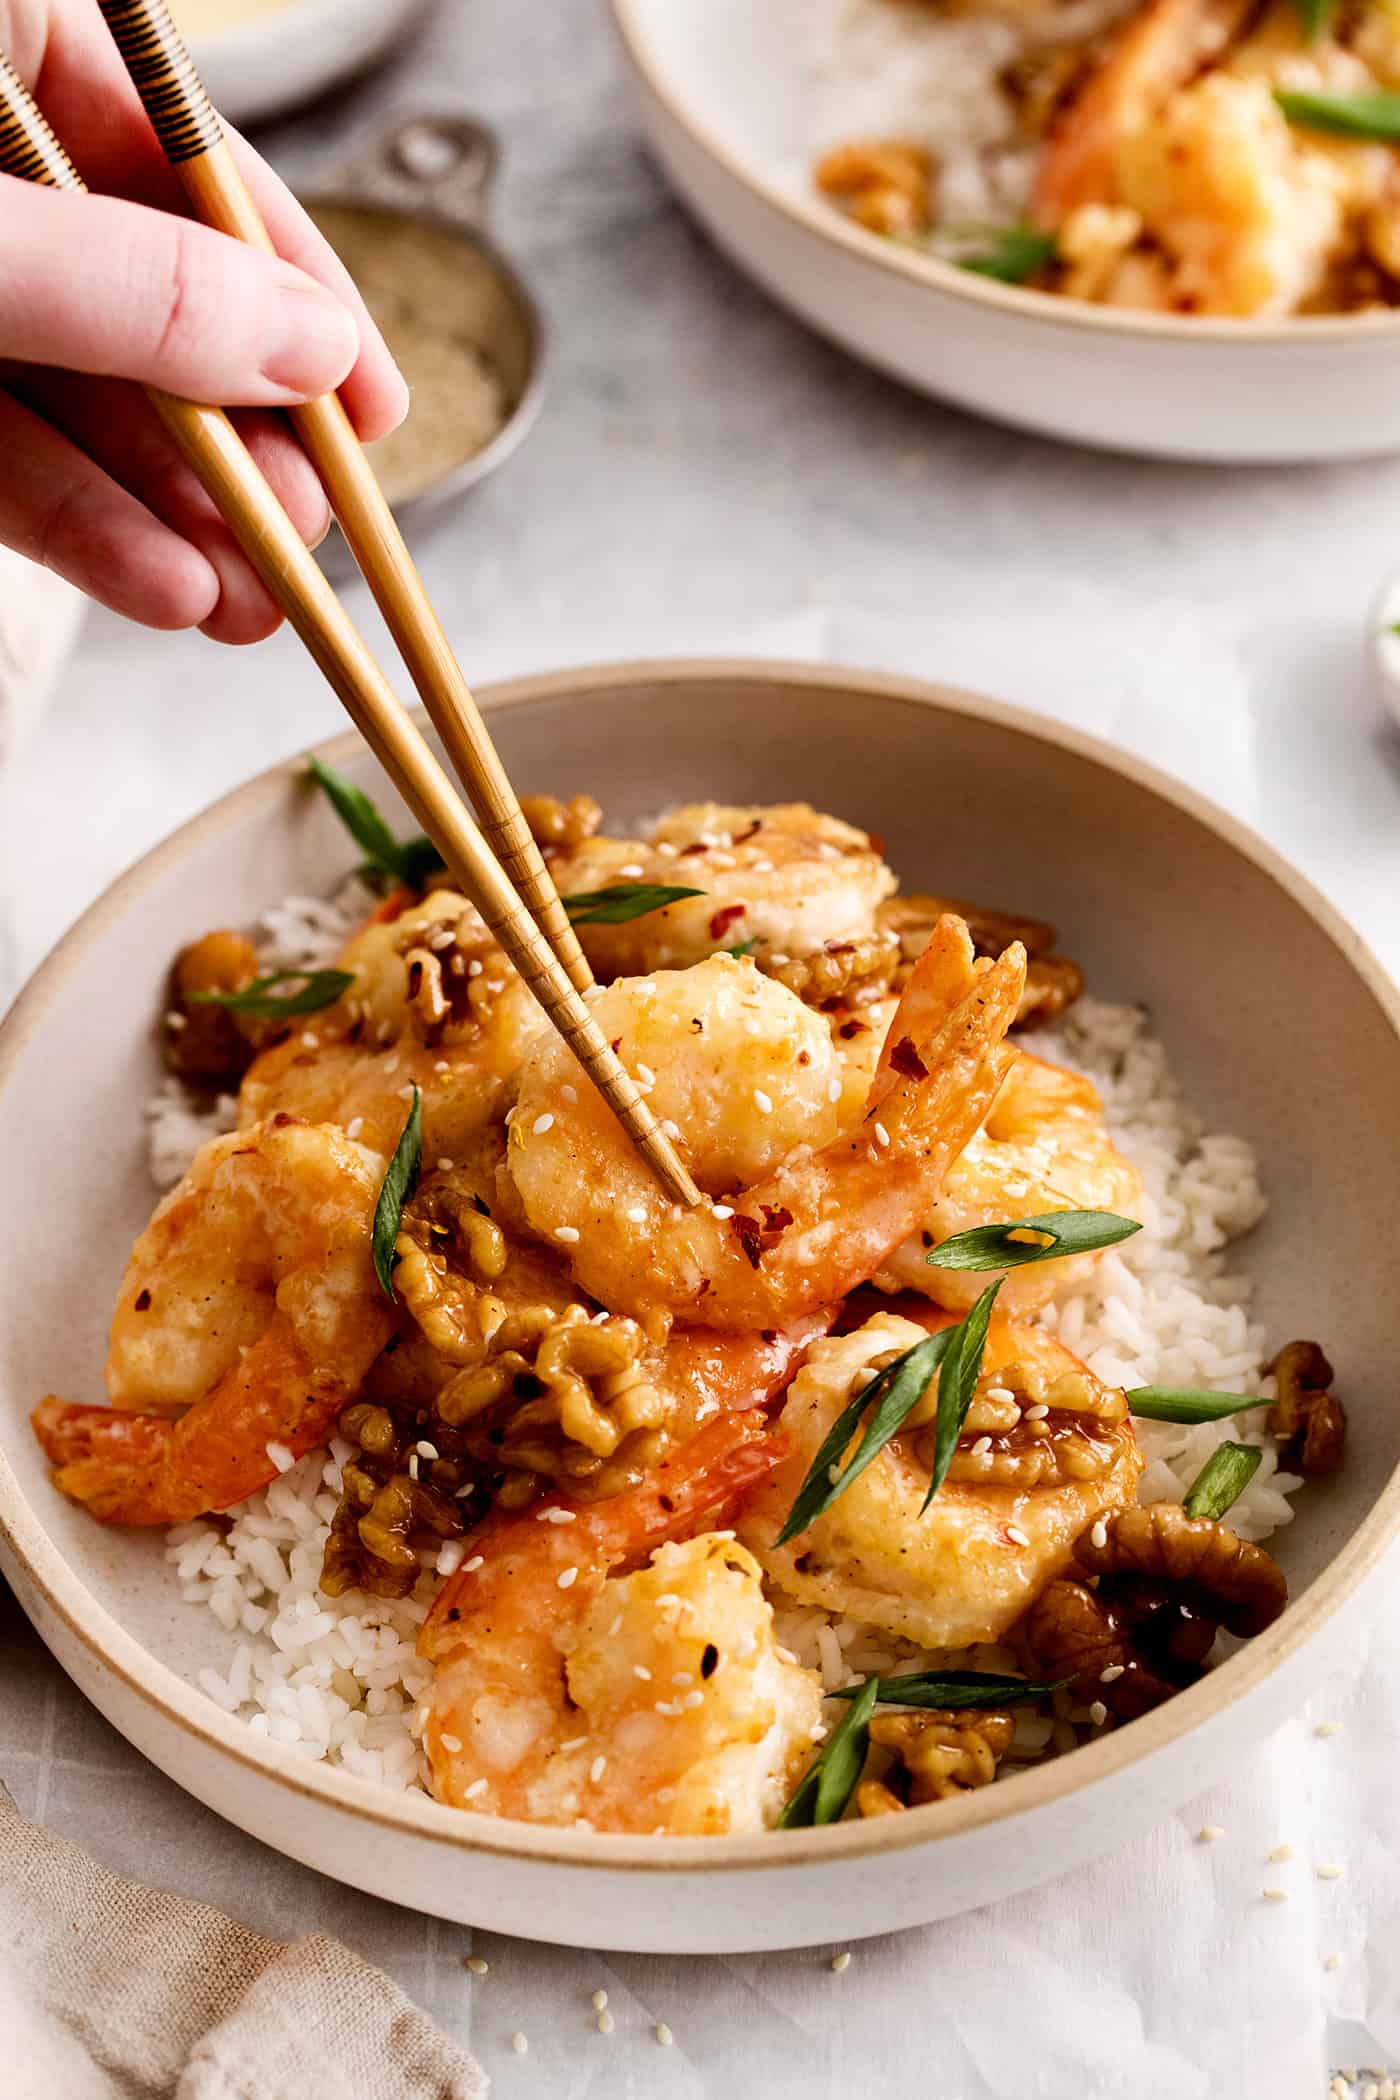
column 934, row 1441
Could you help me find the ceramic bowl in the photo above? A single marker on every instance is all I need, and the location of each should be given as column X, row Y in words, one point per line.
column 274, row 61
column 1282, row 1028
column 729, row 105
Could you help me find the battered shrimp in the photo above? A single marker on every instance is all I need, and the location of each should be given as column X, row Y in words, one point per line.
column 1023, row 1486
column 782, row 877
column 570, row 1692
column 436, row 1004
column 251, row 1302
column 1043, row 1147
column 798, row 1231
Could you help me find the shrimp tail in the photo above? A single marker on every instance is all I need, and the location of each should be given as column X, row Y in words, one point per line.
column 131, row 1468
column 959, row 1068
column 943, row 975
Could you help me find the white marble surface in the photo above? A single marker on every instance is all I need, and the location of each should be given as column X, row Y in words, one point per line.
column 707, row 478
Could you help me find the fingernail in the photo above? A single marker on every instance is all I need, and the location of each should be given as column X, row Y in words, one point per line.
column 315, row 343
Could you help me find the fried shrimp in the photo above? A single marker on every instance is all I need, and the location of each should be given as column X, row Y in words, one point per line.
column 796, row 1228
column 1043, row 1147
column 571, row 1691
column 435, row 1004
column 1045, row 1450
column 250, row 1302
column 782, row 881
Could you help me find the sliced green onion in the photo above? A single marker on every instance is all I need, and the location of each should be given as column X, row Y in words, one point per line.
column 318, row 988
column 1369, row 113
column 409, row 861
column 1170, row 1403
column 1061, row 1233
column 1222, row 1480
column 622, row 901
column 400, row 1180
column 1010, row 254
column 744, row 947
column 1315, row 16
column 957, row 1382
column 892, row 1394
column 827, row 1785
column 955, row 1689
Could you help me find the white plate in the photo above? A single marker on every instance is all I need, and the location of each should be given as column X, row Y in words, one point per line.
column 1280, row 1024
column 733, row 112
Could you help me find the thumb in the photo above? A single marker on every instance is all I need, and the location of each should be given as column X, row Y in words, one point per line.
column 94, row 284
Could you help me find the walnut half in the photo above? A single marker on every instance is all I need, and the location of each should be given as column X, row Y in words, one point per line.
column 938, row 1753
column 1307, row 1418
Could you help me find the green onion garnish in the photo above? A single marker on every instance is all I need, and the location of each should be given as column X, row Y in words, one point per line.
column 957, row 1382
column 622, row 901
column 1060, row 1233
column 892, row 1394
column 1370, row 113
column 954, row 1689
column 409, row 861
column 828, row 1783
column 400, row 1180
column 1315, row 16
column 1010, row 254
column 318, row 988
column 1169, row 1403
column 1222, row 1480
column 744, row 947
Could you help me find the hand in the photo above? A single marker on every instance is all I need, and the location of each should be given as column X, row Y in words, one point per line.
column 101, row 293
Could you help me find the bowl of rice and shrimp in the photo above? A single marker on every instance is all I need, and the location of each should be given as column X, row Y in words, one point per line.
column 1172, row 1441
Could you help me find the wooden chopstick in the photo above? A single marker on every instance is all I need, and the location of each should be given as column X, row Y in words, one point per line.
column 191, row 135
column 213, row 449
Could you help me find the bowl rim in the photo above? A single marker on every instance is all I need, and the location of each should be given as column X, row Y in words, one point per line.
column 171, row 1699
column 933, row 274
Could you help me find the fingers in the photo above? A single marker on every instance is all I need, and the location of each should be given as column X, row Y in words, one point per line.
column 97, row 285
column 59, row 508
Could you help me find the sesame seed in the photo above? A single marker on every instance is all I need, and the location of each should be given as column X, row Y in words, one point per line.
column 641, row 1670
column 440, row 1065
column 723, row 1210
column 664, row 2034
column 1098, row 1713
column 1112, row 1674
column 470, row 1793
column 693, row 1699
column 477, row 1966
column 634, row 867
column 762, row 1102
column 882, row 1136
column 413, row 1463
column 1281, row 1853
column 425, row 1449
column 566, row 1578
column 475, row 968
column 833, row 1091
column 567, row 1233
column 568, row 1093
column 451, row 1744
column 597, row 1769
column 542, row 1123
column 1209, row 1832
column 1016, row 1535
column 354, row 1126
column 665, row 1708
column 561, row 1516
column 391, row 1064
column 1099, row 1535
column 638, row 1214
column 1329, row 1871
column 1000, row 1392
column 469, row 1567
column 450, row 1556
column 682, row 1677
column 177, row 1022
column 982, row 1446
column 645, row 1075
column 1275, row 1895
column 600, row 1999
column 671, row 1130
column 456, row 966
column 575, row 1742
column 1037, row 1413
column 443, row 938
column 842, row 1961
column 605, row 2021
column 1333, row 1961
column 1328, row 1728
column 445, row 1165
column 519, row 2043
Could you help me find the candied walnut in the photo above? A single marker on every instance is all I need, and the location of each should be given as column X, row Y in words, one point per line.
column 212, row 1045
column 843, row 973
column 1042, row 1430
column 1307, row 1417
column 938, row 1753
column 385, row 1514
column 1240, row 1585
column 1053, row 982
column 1070, row 1631
column 559, row 827
column 884, row 184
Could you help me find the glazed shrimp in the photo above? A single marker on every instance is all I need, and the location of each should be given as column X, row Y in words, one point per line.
column 1023, row 1486
column 436, row 1004
column 568, row 1691
column 796, row 1234
column 1043, row 1147
column 783, row 880
column 251, row 1302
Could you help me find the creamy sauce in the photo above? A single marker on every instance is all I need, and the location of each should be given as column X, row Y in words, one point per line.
column 207, row 17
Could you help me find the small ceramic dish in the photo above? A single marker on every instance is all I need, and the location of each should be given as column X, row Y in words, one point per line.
column 727, row 103
column 1281, row 1025
column 281, row 55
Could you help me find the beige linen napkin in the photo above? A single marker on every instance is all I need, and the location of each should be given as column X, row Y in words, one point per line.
column 112, row 1991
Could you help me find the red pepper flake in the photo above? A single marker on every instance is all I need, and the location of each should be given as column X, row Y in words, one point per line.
column 905, row 1058
column 850, row 1028
column 750, row 1234
column 776, row 1217
column 724, row 919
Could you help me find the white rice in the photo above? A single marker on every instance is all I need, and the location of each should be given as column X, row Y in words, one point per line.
column 337, row 1678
